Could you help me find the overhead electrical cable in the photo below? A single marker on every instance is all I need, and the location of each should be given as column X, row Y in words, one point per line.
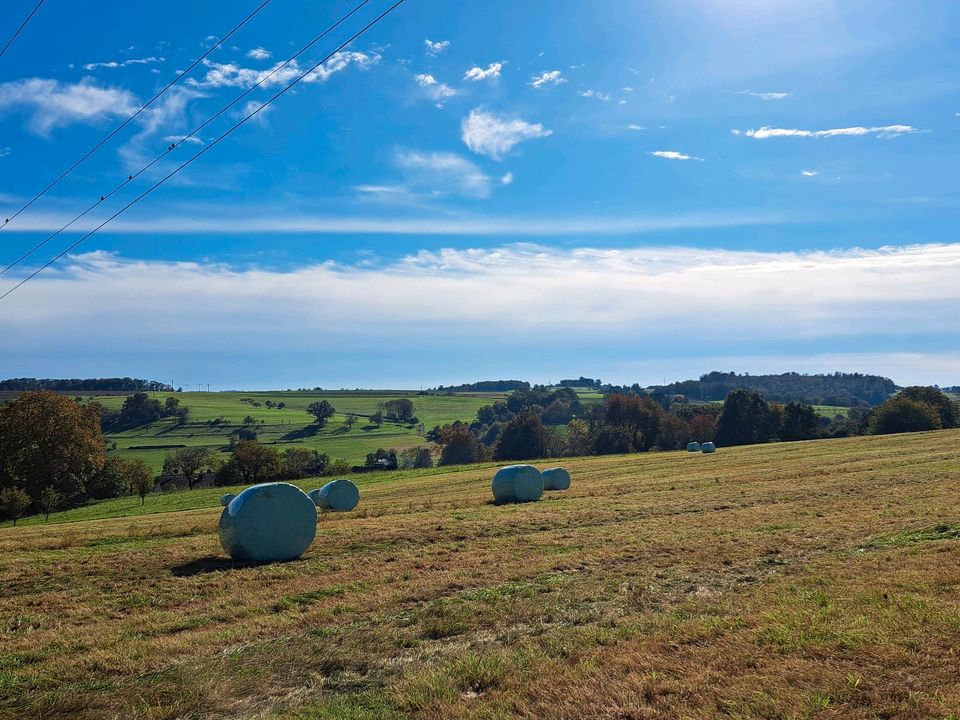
column 208, row 147
column 130, row 119
column 20, row 29
column 185, row 138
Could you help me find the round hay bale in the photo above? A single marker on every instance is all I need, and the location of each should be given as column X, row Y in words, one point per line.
column 225, row 500
column 268, row 523
column 556, row 478
column 339, row 495
column 693, row 447
column 517, row 483
column 708, row 447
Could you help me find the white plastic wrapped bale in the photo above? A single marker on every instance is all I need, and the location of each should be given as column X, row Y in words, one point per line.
column 517, row 483
column 556, row 478
column 339, row 495
column 693, row 447
column 225, row 500
column 708, row 447
column 271, row 522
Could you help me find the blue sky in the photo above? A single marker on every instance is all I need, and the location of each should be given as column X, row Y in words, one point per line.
column 633, row 190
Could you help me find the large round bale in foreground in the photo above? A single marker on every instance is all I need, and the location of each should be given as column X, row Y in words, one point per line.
column 517, row 483
column 693, row 447
column 339, row 495
column 556, row 478
column 268, row 523
column 708, row 447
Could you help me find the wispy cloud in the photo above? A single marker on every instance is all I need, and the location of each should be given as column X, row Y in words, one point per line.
column 232, row 75
column 507, row 178
column 766, row 95
column 259, row 53
column 433, row 88
column 809, row 173
column 125, row 63
column 442, row 170
column 435, row 48
column 547, row 77
column 610, row 296
column 495, row 135
column 883, row 132
column 605, row 97
column 673, row 155
column 53, row 104
column 478, row 73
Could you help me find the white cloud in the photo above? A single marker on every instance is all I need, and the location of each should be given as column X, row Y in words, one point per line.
column 477, row 73
column 594, row 94
column 54, row 104
column 610, row 297
column 126, row 63
column 809, row 173
column 634, row 126
column 627, row 89
column 4, row 151
column 495, row 136
column 192, row 139
column 547, row 77
column 766, row 95
column 259, row 53
column 232, row 75
column 673, row 155
column 442, row 170
column 507, row 178
column 433, row 88
column 884, row 132
column 435, row 48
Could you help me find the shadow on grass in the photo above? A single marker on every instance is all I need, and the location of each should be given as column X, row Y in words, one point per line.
column 301, row 433
column 210, row 564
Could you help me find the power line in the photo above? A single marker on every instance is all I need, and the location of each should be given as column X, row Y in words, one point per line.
column 181, row 141
column 206, row 148
column 130, row 119
column 20, row 29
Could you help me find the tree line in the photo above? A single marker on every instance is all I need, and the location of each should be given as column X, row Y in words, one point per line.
column 544, row 422
column 84, row 385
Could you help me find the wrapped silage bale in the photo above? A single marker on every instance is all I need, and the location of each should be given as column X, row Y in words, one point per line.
column 708, row 447
column 268, row 523
column 225, row 500
column 517, row 483
column 693, row 447
column 556, row 478
column 339, row 495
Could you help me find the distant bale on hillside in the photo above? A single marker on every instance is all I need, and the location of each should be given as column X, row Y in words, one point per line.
column 517, row 483
column 708, row 447
column 693, row 447
column 556, row 478
column 337, row 495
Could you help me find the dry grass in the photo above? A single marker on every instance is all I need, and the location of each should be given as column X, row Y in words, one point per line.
column 803, row 580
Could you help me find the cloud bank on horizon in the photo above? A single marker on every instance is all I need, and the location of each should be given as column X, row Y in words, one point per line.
column 667, row 184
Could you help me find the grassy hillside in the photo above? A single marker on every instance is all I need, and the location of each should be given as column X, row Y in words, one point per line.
column 793, row 580
column 292, row 426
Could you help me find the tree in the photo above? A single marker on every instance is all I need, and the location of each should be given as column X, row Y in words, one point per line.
column 191, row 462
column 47, row 439
column 13, row 503
column 321, row 410
column 579, row 441
column 641, row 415
column 945, row 408
column 351, row 420
column 416, row 457
column 140, row 478
column 377, row 418
column 256, row 462
column 524, row 437
column 674, row 433
column 140, row 409
column 800, row 422
column 298, row 462
column 460, row 446
column 702, row 427
column 613, row 440
column 113, row 479
column 746, row 418
column 400, row 410
column 901, row 414
column 49, row 501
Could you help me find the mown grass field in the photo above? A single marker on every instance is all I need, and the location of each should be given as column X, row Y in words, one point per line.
column 793, row 580
column 291, row 426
